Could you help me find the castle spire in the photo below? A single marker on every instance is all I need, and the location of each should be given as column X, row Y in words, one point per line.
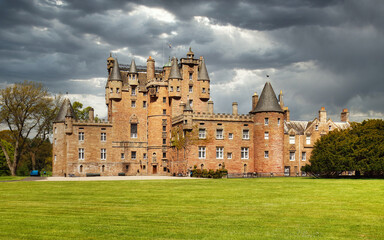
column 267, row 101
column 66, row 110
column 175, row 72
column 115, row 75
column 132, row 68
column 203, row 73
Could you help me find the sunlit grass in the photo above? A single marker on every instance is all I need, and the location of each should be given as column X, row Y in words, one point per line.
column 272, row 208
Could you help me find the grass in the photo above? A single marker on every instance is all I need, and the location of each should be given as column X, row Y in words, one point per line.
column 11, row 178
column 268, row 208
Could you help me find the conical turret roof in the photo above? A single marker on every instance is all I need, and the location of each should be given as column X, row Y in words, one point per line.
column 175, row 72
column 203, row 73
column 132, row 68
column 115, row 74
column 267, row 101
column 66, row 110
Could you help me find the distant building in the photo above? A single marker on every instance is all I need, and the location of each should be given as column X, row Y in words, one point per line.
column 161, row 122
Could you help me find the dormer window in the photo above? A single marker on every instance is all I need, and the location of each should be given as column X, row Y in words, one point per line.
column 330, row 128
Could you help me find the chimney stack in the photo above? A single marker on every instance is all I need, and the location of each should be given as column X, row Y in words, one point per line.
column 91, row 115
column 344, row 116
column 255, row 99
column 210, row 107
column 234, row 108
column 150, row 68
column 322, row 115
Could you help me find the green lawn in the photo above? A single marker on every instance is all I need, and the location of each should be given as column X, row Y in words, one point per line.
column 11, row 178
column 268, row 208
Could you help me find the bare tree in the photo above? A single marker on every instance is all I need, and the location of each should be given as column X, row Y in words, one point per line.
column 28, row 111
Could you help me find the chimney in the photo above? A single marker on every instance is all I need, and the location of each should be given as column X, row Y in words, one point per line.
column 210, row 107
column 91, row 115
column 322, row 115
column 234, row 108
column 281, row 101
column 344, row 116
column 286, row 114
column 150, row 68
column 255, row 99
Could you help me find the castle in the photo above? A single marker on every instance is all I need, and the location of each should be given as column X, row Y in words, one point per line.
column 161, row 122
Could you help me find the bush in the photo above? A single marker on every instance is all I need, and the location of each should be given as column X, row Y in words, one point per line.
column 219, row 173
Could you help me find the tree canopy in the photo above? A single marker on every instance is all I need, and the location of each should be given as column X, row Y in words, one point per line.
column 359, row 149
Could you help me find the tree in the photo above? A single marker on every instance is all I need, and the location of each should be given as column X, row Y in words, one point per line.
column 28, row 111
column 82, row 114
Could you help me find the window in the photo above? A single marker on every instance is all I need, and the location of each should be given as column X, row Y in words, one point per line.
column 203, row 90
column 292, row 156
column 171, row 89
column 229, row 155
column 230, row 135
column 55, row 158
column 81, row 153
column 278, row 121
column 266, row 135
column 55, row 141
column 55, row 129
column 191, row 103
column 81, row 168
column 133, row 130
column 245, row 134
column 164, row 155
column 122, row 155
column 164, row 128
column 164, row 141
column 102, row 168
column 330, row 128
column 103, row 137
column 144, row 94
column 144, row 155
column 219, row 152
column 317, row 127
column 81, row 136
column 303, row 156
column 202, row 133
column 117, row 90
column 133, row 104
column 190, row 76
column 177, row 89
column 308, row 140
column 133, row 155
column 266, row 121
column 201, row 152
column 164, row 111
column 144, row 104
column 291, row 139
column 266, row 154
column 244, row 153
column 103, row 154
column 219, row 134
column 190, row 89
column 133, row 93
column 164, row 100
column 111, row 90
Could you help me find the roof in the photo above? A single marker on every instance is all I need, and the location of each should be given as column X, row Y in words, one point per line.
column 132, row 68
column 115, row 74
column 203, row 73
column 175, row 72
column 66, row 110
column 267, row 101
column 342, row 125
column 298, row 126
column 169, row 63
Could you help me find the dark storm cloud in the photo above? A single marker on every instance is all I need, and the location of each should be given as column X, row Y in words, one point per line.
column 321, row 53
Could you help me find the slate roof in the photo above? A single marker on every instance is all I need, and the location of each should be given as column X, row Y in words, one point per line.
column 66, row 110
column 175, row 72
column 203, row 73
column 132, row 68
column 267, row 101
column 298, row 126
column 342, row 125
column 115, row 74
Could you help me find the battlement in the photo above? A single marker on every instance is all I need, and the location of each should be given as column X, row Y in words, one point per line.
column 197, row 116
column 99, row 122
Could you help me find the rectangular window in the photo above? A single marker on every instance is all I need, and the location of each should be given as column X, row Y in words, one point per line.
column 308, row 140
column 133, row 155
column 103, row 154
column 81, row 153
column 292, row 156
column 133, row 93
column 190, row 76
column 244, row 153
column 178, row 89
column 164, row 111
column 103, row 137
column 111, row 90
column 190, row 89
column 266, row 135
column 144, row 155
column 81, row 136
column 219, row 134
column 122, row 155
column 245, row 134
column 164, row 141
column 164, row 100
column 317, row 127
column 55, row 129
column 266, row 121
column 201, row 152
column 144, row 94
column 229, row 155
column 133, row 104
column 303, row 156
column 203, row 90
column 219, row 152
column 278, row 121
column 171, row 89
column 202, row 133
column 164, row 155
column 133, row 130
column 191, row 103
column 164, row 128
column 230, row 135
column 117, row 90
column 266, row 154
column 330, row 128
column 291, row 139
column 144, row 104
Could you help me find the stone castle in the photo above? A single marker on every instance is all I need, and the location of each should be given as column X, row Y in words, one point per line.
column 161, row 122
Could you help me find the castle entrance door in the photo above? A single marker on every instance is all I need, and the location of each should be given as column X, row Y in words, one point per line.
column 154, row 170
column 286, row 171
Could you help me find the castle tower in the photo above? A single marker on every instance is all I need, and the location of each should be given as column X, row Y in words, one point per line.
column 268, row 133
column 204, row 82
column 133, row 78
column 113, row 88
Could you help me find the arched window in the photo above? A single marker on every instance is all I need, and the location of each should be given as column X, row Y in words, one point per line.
column 245, row 168
column 202, row 166
column 102, row 168
column 81, row 168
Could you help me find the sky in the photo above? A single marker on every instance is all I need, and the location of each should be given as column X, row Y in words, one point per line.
column 319, row 52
